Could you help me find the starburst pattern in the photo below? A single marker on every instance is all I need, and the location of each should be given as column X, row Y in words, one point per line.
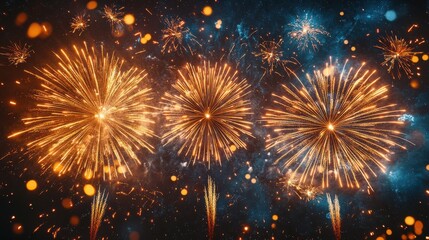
column 17, row 53
column 337, row 125
column 272, row 56
column 175, row 36
column 397, row 55
column 79, row 23
column 113, row 15
column 207, row 113
column 307, row 33
column 91, row 114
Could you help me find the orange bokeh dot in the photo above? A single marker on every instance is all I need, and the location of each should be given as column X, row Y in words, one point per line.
column 31, row 185
column 129, row 19
column 34, row 30
column 67, row 203
column 207, row 10
column 21, row 18
column 409, row 220
column 74, row 220
column 184, row 192
column 173, row 178
column 89, row 190
column 91, row 5
column 414, row 84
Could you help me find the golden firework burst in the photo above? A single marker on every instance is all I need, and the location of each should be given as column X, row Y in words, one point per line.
column 79, row 23
column 174, row 36
column 207, row 113
column 336, row 125
column 17, row 53
column 91, row 115
column 397, row 55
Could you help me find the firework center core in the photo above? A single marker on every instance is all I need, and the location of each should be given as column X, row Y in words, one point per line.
column 207, row 115
column 330, row 127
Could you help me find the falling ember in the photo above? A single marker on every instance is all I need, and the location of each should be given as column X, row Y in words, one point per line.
column 339, row 128
column 90, row 114
column 207, row 113
column 98, row 208
column 17, row 53
column 306, row 33
column 211, row 198
column 79, row 23
column 398, row 55
column 334, row 212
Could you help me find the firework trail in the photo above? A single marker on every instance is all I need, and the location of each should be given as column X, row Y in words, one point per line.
column 98, row 208
column 337, row 125
column 334, row 212
column 91, row 115
column 207, row 113
column 210, row 198
column 17, row 53
column 397, row 55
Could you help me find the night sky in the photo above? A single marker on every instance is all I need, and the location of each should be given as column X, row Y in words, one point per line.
column 253, row 202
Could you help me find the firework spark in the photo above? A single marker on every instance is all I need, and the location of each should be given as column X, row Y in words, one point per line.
column 98, row 208
column 79, row 23
column 210, row 198
column 17, row 53
column 334, row 212
column 91, row 115
column 306, row 33
column 304, row 192
column 113, row 15
column 207, row 113
column 397, row 55
column 271, row 55
column 337, row 126
column 174, row 36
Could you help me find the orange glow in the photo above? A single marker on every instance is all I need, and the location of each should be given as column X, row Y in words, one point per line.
column 207, row 10
column 173, row 178
column 89, row 190
column 91, row 5
column 34, row 30
column 74, row 220
column 17, row 228
column 184, row 192
column 21, row 18
column 31, row 185
column 409, row 220
column 67, row 203
column 129, row 19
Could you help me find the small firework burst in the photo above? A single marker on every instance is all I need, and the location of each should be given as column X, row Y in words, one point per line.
column 338, row 126
column 207, row 113
column 271, row 55
column 17, row 53
column 79, row 23
column 305, row 192
column 397, row 55
column 113, row 15
column 307, row 33
column 175, row 36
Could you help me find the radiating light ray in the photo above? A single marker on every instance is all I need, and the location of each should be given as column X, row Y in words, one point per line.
column 91, row 115
column 210, row 198
column 272, row 57
column 98, row 208
column 334, row 212
column 306, row 33
column 79, row 23
column 17, row 53
column 207, row 113
column 175, row 36
column 397, row 55
column 338, row 124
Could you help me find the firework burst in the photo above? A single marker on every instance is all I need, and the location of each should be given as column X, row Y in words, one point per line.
column 338, row 125
column 397, row 55
column 113, row 15
column 306, row 33
column 207, row 113
column 17, row 53
column 210, row 198
column 271, row 55
column 98, row 208
column 91, row 115
column 79, row 23
column 175, row 36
